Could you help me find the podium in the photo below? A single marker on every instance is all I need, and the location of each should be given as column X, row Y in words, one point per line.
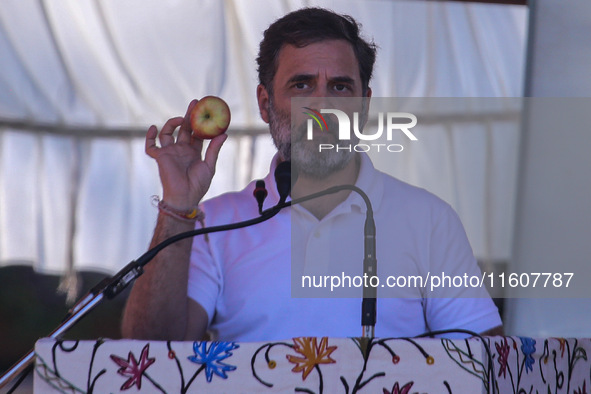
column 315, row 365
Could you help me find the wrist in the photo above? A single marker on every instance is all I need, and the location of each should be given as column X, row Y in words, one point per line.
column 186, row 213
column 180, row 202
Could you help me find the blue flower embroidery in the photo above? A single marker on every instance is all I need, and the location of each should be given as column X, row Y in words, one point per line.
column 528, row 347
column 212, row 356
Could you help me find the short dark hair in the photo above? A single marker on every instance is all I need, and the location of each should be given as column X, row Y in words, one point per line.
column 309, row 25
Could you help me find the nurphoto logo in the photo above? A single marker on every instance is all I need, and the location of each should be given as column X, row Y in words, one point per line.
column 394, row 122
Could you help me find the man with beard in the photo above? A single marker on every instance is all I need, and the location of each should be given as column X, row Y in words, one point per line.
column 237, row 284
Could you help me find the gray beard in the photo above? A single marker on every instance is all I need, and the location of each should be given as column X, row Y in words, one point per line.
column 304, row 154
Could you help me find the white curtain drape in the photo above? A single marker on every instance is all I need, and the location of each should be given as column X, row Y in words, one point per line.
column 81, row 80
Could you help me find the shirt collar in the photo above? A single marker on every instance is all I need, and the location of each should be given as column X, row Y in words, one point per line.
column 369, row 180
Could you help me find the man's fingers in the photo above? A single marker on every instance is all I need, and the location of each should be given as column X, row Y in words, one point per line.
column 168, row 129
column 213, row 150
column 151, row 147
column 186, row 130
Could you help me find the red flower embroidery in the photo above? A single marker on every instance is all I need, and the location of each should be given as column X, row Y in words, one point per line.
column 313, row 354
column 397, row 390
column 132, row 368
column 582, row 390
column 503, row 351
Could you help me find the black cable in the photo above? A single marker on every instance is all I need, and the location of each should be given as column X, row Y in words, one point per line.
column 121, row 280
column 330, row 190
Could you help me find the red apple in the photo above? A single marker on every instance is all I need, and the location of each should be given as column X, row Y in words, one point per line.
column 210, row 117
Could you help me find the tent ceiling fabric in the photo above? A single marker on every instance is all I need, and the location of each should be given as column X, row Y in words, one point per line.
column 82, row 197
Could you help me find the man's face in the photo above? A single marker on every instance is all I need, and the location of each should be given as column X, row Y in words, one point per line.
column 324, row 69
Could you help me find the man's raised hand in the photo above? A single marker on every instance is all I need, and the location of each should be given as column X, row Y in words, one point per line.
column 184, row 174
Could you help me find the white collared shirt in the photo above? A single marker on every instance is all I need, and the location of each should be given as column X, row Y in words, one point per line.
column 243, row 278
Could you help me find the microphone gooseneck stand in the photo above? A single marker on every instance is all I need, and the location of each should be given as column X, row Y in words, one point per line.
column 111, row 287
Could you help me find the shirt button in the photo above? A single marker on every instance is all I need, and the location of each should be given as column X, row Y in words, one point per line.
column 317, row 234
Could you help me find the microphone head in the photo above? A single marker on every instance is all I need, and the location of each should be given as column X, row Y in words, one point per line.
column 260, row 185
column 285, row 176
column 260, row 191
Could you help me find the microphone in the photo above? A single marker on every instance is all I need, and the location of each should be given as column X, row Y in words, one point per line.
column 260, row 193
column 285, row 176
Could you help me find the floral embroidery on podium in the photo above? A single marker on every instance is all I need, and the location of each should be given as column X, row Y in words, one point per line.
column 365, row 346
column 388, row 365
column 211, row 357
column 581, row 390
column 133, row 368
column 528, row 347
column 503, row 350
column 313, row 354
column 396, row 389
column 271, row 364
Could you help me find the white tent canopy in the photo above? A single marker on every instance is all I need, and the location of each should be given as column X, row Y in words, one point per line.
column 81, row 80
